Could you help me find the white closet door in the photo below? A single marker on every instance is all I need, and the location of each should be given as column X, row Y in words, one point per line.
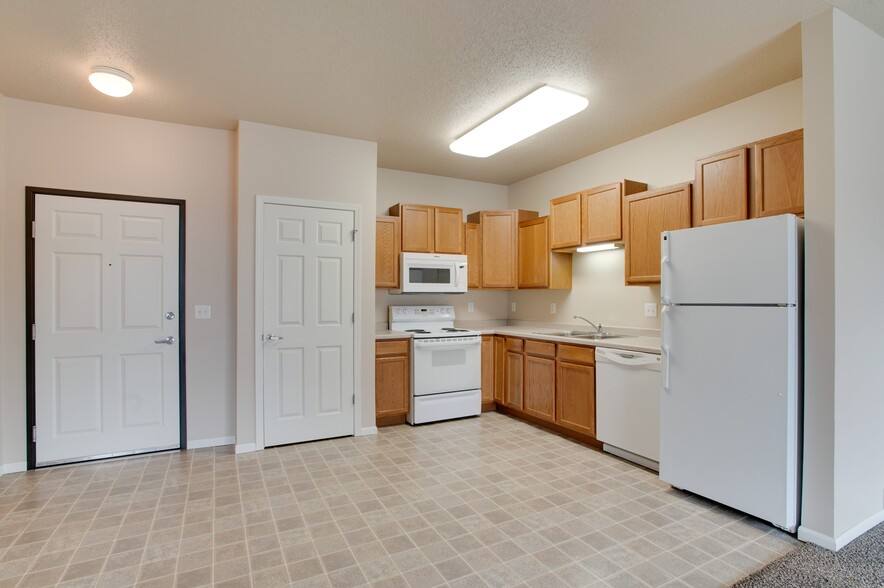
column 308, row 330
column 105, row 275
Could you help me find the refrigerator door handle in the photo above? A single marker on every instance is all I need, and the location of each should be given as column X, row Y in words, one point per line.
column 665, row 367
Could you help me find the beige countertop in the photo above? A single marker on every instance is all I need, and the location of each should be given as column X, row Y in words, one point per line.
column 641, row 343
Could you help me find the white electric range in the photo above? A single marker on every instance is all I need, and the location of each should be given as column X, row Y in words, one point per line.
column 446, row 364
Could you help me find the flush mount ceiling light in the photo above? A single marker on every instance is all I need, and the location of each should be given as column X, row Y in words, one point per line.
column 111, row 81
column 540, row 109
column 599, row 247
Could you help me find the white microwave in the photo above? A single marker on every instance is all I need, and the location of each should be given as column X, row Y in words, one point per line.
column 432, row 273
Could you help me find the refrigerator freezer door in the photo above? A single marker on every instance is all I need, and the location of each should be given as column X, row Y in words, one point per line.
column 746, row 262
column 729, row 417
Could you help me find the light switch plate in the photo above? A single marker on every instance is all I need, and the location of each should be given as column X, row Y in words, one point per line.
column 552, row 307
column 471, row 307
column 202, row 311
column 513, row 307
column 650, row 309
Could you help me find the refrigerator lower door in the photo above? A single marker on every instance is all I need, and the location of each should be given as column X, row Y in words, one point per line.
column 729, row 427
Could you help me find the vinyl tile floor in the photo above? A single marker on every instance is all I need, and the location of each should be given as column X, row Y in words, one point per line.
column 488, row 501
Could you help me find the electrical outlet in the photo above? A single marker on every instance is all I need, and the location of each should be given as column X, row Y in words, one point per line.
column 470, row 307
column 552, row 307
column 650, row 309
column 202, row 311
column 513, row 307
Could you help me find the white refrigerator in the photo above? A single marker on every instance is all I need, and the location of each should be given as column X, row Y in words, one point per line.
column 730, row 407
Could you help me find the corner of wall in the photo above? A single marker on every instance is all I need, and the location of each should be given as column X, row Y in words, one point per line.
column 2, row 207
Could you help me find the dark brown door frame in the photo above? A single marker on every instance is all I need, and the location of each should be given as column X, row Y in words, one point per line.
column 30, row 215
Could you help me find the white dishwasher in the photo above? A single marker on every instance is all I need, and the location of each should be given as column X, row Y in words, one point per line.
column 628, row 386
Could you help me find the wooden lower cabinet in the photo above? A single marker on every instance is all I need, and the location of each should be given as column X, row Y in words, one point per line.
column 392, row 381
column 575, row 397
column 514, row 365
column 487, row 372
column 540, row 387
column 499, row 365
column 544, row 382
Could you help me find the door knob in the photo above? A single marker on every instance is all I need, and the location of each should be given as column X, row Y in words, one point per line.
column 167, row 341
column 274, row 338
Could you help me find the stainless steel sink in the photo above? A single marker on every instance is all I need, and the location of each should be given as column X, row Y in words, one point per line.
column 589, row 335
column 565, row 333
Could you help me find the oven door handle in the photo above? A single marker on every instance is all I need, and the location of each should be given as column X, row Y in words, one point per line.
column 419, row 343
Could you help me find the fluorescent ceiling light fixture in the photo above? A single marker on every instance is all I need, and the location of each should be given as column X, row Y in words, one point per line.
column 599, row 247
column 538, row 110
column 111, row 81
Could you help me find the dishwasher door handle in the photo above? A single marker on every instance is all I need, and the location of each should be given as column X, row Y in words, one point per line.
column 627, row 357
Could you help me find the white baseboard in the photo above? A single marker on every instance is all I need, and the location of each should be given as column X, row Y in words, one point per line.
column 367, row 431
column 246, row 447
column 216, row 442
column 13, row 468
column 836, row 543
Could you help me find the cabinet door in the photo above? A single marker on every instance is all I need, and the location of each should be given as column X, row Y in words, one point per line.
column 499, row 368
column 391, row 386
column 722, row 188
column 487, row 368
column 601, row 212
column 499, row 243
column 513, row 387
column 564, row 221
column 779, row 175
column 473, row 248
column 386, row 252
column 575, row 397
column 417, row 227
column 448, row 227
column 534, row 253
column 540, row 387
column 645, row 216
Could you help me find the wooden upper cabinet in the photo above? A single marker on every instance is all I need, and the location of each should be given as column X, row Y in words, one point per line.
column 448, row 230
column 600, row 211
column 591, row 216
column 386, row 252
column 645, row 216
column 721, row 188
column 564, row 221
column 430, row 229
column 538, row 266
column 499, row 242
column 778, row 185
column 472, row 240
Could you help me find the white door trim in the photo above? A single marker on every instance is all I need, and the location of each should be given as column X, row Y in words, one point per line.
column 260, row 202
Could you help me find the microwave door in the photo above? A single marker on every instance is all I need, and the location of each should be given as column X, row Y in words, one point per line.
column 430, row 277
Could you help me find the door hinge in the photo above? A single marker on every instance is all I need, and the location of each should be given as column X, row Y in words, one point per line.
column 34, row 433
column 33, row 332
column 353, row 318
column 353, row 234
column 354, row 400
column 33, row 229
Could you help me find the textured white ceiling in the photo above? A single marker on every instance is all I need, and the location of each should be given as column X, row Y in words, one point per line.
column 412, row 75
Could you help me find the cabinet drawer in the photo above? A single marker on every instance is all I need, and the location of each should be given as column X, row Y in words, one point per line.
column 541, row 348
column 388, row 348
column 576, row 354
column 513, row 344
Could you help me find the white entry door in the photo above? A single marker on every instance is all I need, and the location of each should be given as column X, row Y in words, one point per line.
column 106, row 328
column 308, row 329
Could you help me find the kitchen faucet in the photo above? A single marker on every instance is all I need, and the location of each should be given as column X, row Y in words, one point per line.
column 598, row 329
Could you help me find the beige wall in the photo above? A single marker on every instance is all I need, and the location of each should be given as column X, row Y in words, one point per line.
column 844, row 462
column 413, row 188
column 2, row 265
column 274, row 161
column 54, row 147
column 659, row 159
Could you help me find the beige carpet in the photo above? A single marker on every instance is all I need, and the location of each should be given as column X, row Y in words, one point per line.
column 860, row 564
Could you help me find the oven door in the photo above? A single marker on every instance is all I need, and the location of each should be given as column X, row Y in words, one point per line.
column 446, row 364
